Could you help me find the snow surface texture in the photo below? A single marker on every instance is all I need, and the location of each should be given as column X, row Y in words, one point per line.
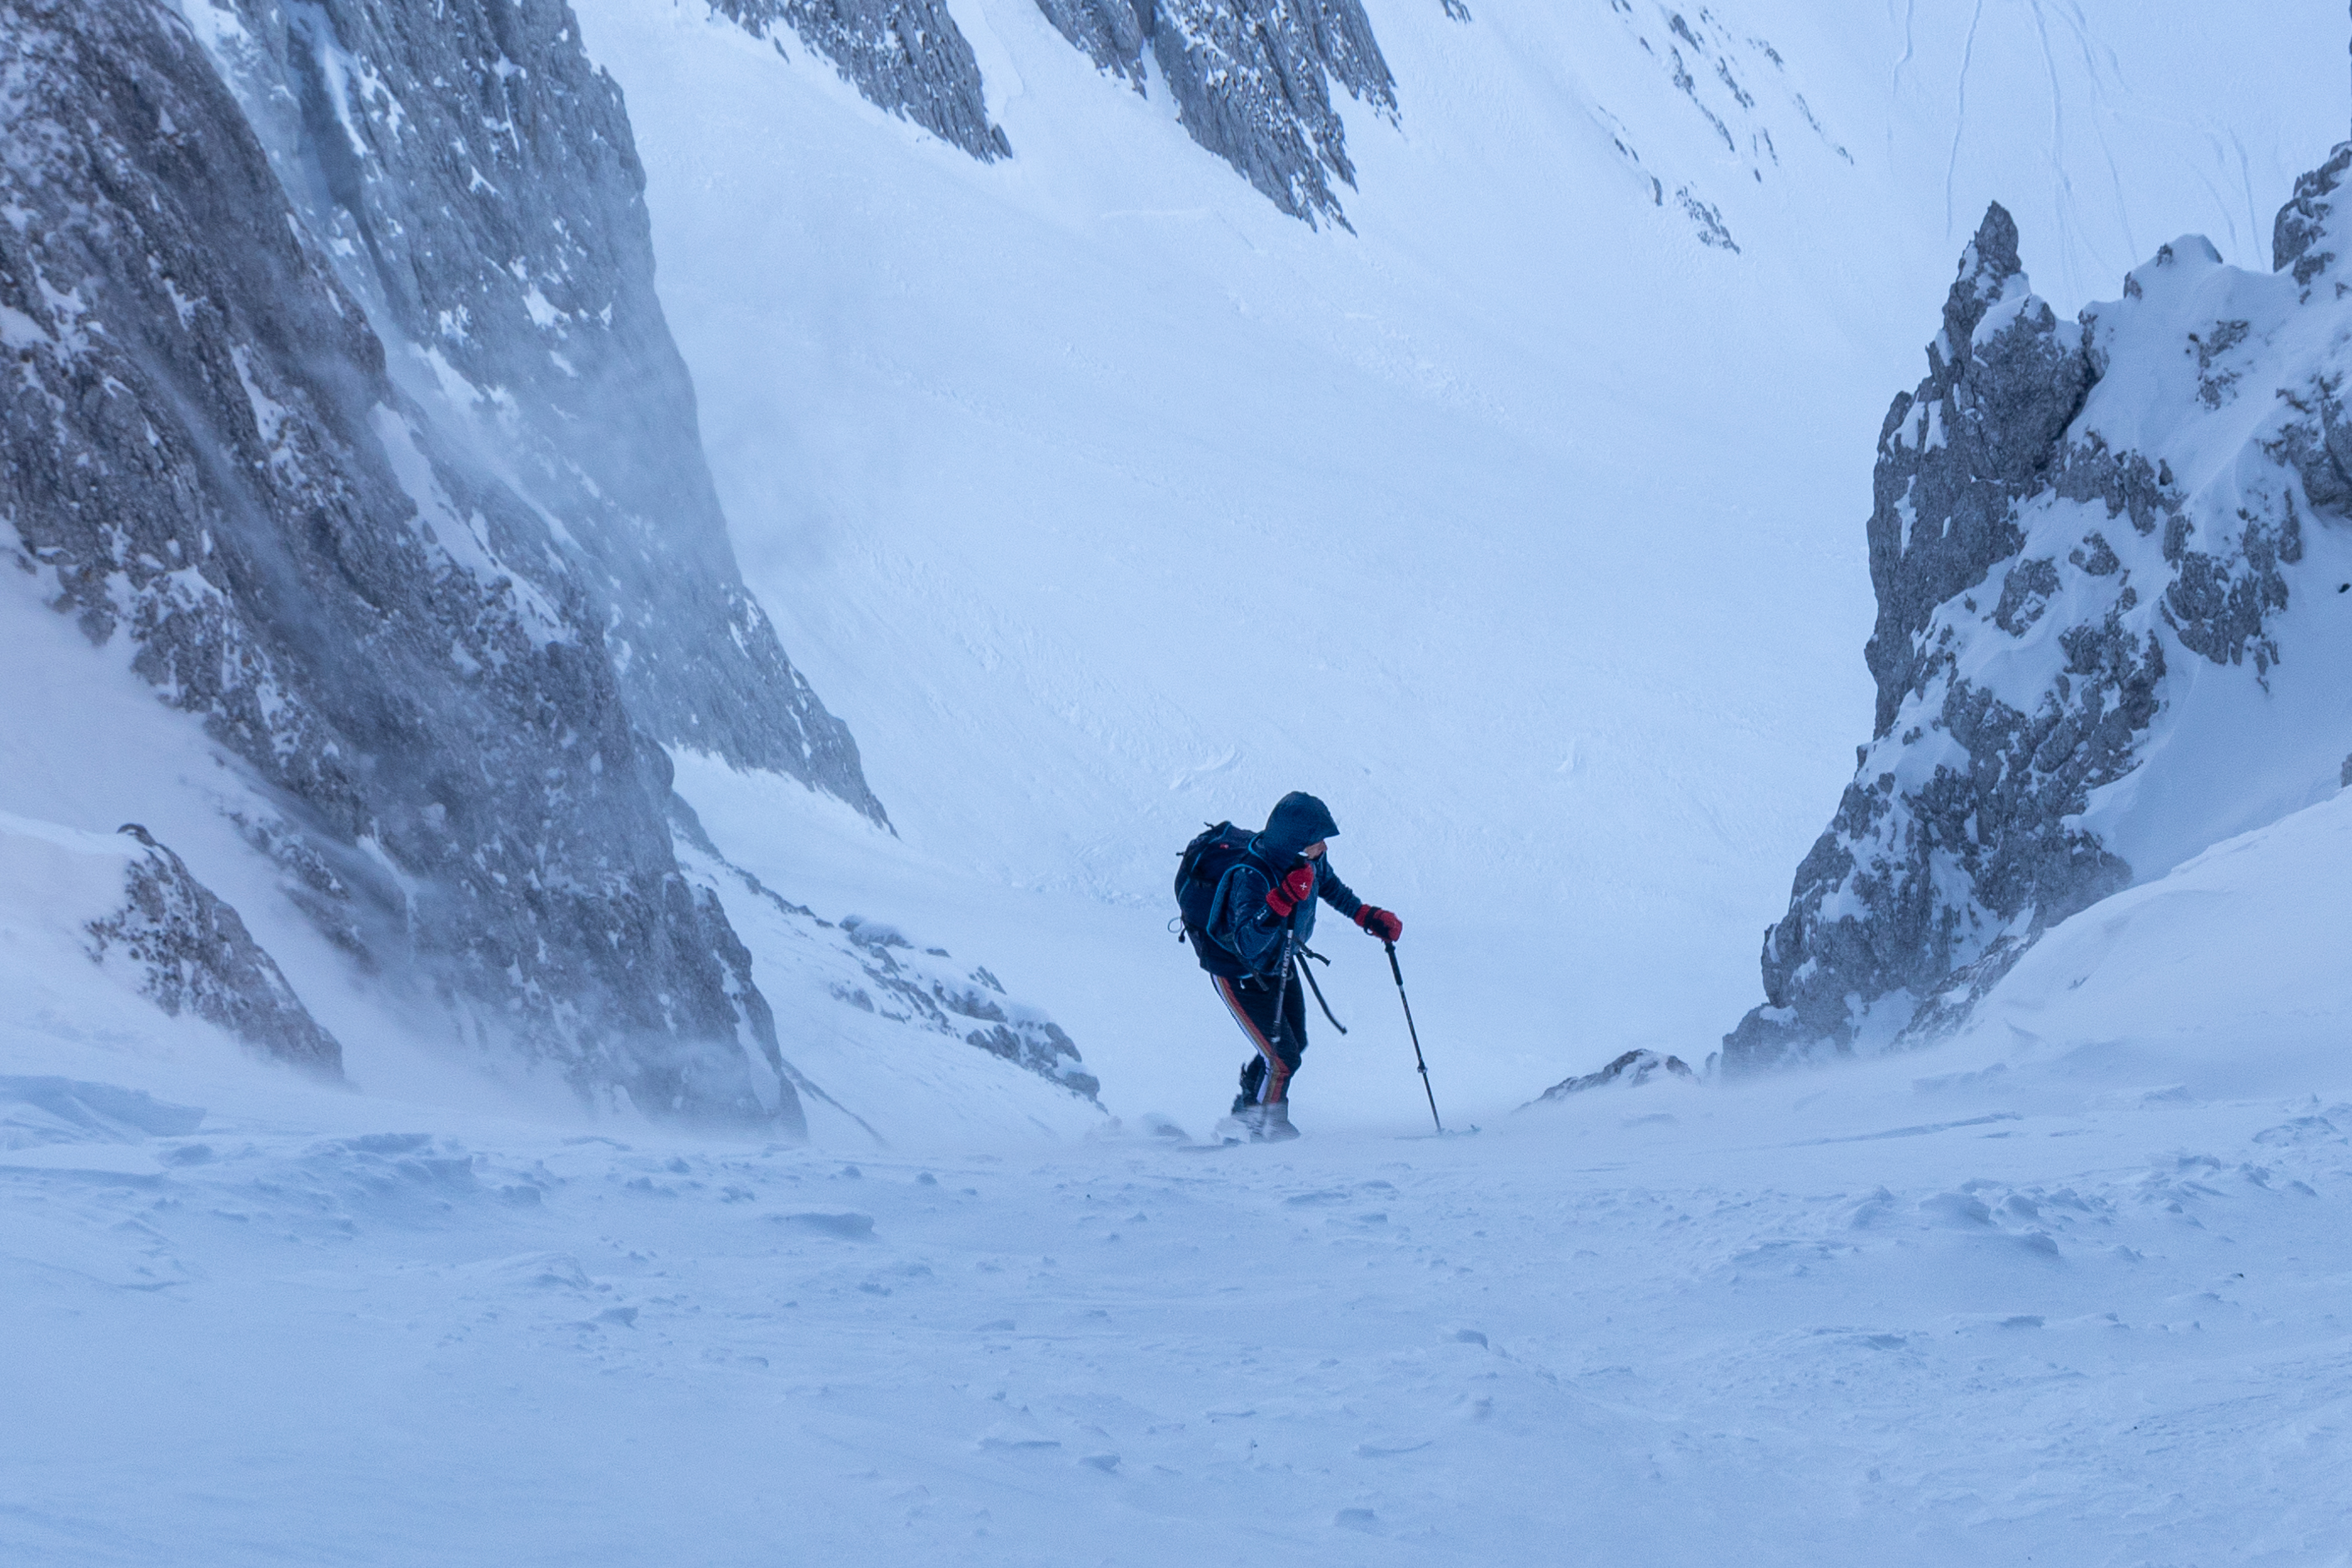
column 2069, row 1288
column 2162, row 492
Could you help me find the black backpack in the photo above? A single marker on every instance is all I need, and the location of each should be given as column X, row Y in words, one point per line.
column 1214, row 851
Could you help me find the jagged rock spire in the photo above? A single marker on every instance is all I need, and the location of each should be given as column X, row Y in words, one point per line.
column 2003, row 381
column 2303, row 222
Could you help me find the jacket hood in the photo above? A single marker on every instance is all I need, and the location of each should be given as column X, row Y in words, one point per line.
column 1298, row 819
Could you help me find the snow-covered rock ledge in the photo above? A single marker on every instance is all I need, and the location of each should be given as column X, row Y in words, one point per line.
column 2112, row 570
column 133, row 906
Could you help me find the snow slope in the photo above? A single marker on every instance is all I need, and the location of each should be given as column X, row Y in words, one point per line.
column 2069, row 1288
column 2226, row 974
column 1521, row 524
column 2073, row 1297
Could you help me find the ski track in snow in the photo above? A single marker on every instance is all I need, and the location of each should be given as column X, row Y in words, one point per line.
column 1961, row 118
column 1665, row 1328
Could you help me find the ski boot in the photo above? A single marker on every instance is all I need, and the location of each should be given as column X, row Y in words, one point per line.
column 1273, row 1123
column 1246, row 1123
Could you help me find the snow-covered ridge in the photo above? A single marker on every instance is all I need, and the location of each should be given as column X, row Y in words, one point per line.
column 2109, row 559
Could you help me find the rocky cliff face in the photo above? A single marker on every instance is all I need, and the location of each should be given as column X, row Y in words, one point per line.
column 340, row 391
column 470, row 177
column 209, row 455
column 1251, row 79
column 906, row 56
column 2085, row 543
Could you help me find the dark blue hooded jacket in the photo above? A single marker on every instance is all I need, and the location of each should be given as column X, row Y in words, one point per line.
column 1245, row 936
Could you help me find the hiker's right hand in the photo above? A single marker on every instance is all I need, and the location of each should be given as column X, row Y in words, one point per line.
column 1295, row 888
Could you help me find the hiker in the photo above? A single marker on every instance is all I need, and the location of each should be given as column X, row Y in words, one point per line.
column 1261, row 911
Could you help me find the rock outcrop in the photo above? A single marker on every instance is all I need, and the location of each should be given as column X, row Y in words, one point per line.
column 189, row 952
column 1631, row 1071
column 906, row 56
column 872, row 967
column 2070, row 520
column 1251, row 80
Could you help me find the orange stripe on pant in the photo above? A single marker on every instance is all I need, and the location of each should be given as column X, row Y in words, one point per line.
column 1277, row 1072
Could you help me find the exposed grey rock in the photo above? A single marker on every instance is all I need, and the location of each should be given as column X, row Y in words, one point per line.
column 1957, row 454
column 1251, row 80
column 1870, row 913
column 1250, row 77
column 2024, row 594
column 2218, row 603
column 207, row 451
column 905, row 56
column 473, row 181
column 2216, row 387
column 1961, row 838
column 1726, row 77
column 876, row 969
column 2318, row 445
column 1705, row 217
column 193, row 954
column 1631, row 1070
column 974, row 1007
column 2303, row 222
column 1111, row 33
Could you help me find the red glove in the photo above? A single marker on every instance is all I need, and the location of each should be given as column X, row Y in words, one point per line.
column 1295, row 888
column 1380, row 923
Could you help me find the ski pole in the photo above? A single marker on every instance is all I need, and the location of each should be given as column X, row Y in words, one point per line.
column 1418, row 1060
column 1282, row 992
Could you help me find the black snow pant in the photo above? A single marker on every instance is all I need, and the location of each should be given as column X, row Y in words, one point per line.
column 1266, row 1077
